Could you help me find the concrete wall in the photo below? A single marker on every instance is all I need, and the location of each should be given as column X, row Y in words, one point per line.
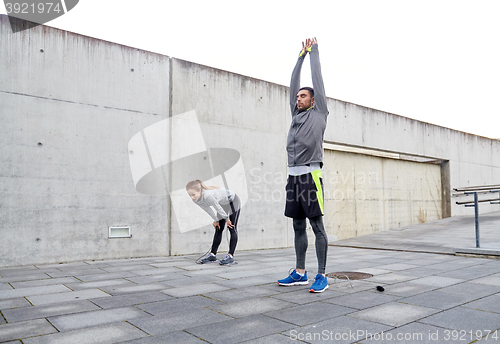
column 473, row 160
column 72, row 106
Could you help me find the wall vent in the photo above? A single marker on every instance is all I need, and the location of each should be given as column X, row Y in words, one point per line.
column 120, row 232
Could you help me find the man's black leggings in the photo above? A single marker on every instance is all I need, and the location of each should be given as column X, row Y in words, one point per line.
column 299, row 226
column 234, row 210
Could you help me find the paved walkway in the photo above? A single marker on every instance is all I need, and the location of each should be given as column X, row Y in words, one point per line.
column 443, row 236
column 431, row 296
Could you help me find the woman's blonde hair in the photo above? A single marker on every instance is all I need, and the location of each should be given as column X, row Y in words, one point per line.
column 198, row 185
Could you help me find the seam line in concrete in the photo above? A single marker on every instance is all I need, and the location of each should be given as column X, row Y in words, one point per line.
column 72, row 102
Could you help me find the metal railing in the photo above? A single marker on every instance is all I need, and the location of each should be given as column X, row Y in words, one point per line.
column 476, row 191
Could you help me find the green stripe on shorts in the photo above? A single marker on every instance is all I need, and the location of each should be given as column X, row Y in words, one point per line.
column 319, row 193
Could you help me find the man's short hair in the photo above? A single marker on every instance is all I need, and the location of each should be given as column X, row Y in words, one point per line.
column 310, row 89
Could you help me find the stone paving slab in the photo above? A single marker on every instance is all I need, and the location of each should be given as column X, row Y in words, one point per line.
column 95, row 318
column 489, row 280
column 34, row 312
column 107, row 334
column 182, row 320
column 99, row 284
column 106, row 276
column 414, row 333
column 134, row 288
column 14, row 303
column 241, row 294
column 398, row 266
column 362, row 300
column 439, row 299
column 158, row 278
column 424, row 272
column 467, row 273
column 45, row 282
column 75, row 272
column 464, row 319
column 301, row 296
column 39, row 300
column 5, row 286
column 437, row 281
column 34, row 275
column 394, row 313
column 159, row 271
column 392, row 278
column 342, row 330
column 196, row 289
column 239, row 330
column 272, row 339
column 408, row 289
column 354, row 286
column 489, row 303
column 139, row 267
column 469, row 288
column 244, row 308
column 18, row 271
column 178, row 337
column 25, row 329
column 13, row 293
column 130, row 299
column 63, row 265
column 184, row 280
column 178, row 305
column 310, row 313
column 245, row 282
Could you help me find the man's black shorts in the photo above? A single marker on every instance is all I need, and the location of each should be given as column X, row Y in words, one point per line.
column 304, row 195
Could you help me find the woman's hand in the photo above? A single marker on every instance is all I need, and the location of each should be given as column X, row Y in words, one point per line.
column 229, row 224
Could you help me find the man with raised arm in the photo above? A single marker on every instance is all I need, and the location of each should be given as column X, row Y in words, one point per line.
column 304, row 188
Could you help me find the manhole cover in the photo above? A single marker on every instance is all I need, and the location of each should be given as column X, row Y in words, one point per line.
column 349, row 275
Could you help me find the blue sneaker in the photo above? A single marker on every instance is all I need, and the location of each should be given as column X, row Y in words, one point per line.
column 320, row 284
column 294, row 279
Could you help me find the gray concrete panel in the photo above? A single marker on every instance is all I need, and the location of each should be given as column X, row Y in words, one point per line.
column 165, row 323
column 169, row 338
column 394, row 313
column 244, row 308
column 241, row 329
column 194, row 289
column 13, row 293
column 439, row 299
column 39, row 300
column 130, row 299
column 464, row 319
column 310, row 313
column 177, row 305
column 25, row 329
column 112, row 333
column 63, row 106
column 94, row 318
column 14, row 303
column 337, row 330
column 34, row 312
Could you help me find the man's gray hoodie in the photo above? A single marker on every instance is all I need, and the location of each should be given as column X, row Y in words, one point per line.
column 305, row 137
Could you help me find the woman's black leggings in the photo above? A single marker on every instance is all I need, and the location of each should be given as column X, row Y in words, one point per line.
column 233, row 209
column 299, row 226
